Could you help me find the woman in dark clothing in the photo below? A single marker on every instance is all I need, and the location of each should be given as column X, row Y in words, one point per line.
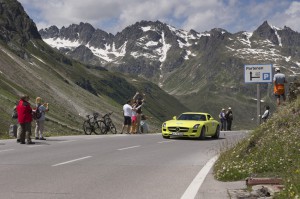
column 229, row 118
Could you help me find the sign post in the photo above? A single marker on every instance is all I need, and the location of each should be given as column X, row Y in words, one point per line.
column 258, row 74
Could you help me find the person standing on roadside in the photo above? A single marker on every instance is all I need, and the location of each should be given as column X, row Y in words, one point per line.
column 266, row 114
column 127, row 111
column 222, row 117
column 144, row 125
column 229, row 118
column 15, row 116
column 140, row 99
column 133, row 119
column 39, row 128
column 25, row 118
column 139, row 115
column 279, row 81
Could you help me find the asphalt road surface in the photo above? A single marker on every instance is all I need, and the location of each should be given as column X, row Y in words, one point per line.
column 106, row 166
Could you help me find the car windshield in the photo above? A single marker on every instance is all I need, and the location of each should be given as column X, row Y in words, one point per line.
column 197, row 117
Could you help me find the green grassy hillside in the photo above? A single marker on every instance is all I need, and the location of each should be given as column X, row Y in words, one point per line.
column 73, row 90
column 272, row 150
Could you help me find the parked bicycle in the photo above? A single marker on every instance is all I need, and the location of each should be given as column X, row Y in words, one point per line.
column 92, row 125
column 107, row 124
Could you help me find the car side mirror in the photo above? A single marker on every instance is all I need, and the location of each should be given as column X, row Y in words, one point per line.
column 211, row 118
column 174, row 117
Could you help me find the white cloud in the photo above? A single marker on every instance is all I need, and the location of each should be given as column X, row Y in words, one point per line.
column 201, row 15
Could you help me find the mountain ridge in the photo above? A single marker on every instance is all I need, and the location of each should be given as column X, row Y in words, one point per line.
column 29, row 66
column 191, row 65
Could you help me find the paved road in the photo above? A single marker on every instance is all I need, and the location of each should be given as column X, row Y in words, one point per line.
column 105, row 166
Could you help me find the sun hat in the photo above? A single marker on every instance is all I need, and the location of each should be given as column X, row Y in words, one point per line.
column 277, row 69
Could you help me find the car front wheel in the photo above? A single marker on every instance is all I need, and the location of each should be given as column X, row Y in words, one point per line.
column 202, row 134
column 217, row 134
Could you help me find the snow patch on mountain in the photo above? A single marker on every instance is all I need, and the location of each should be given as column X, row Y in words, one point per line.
column 147, row 55
column 147, row 28
column 247, row 40
column 62, row 43
column 164, row 50
column 151, row 43
column 110, row 53
column 203, row 35
column 276, row 33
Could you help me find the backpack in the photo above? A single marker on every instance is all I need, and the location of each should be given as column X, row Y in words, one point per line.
column 14, row 114
column 13, row 128
column 230, row 116
column 36, row 113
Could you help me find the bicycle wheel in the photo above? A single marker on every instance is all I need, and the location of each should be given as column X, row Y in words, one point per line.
column 99, row 128
column 112, row 129
column 87, row 128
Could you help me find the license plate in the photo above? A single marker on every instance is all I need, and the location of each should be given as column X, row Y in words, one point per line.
column 176, row 133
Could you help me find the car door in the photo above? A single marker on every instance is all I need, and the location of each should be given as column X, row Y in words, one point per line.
column 211, row 125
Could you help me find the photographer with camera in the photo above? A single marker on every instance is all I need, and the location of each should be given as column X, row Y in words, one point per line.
column 42, row 108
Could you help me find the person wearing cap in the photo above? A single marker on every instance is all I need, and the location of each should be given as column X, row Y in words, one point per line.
column 279, row 81
column 229, row 118
column 25, row 118
column 222, row 117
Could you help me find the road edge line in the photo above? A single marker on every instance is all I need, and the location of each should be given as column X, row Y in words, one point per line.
column 195, row 185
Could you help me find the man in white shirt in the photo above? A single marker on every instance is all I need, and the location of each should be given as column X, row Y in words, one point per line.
column 127, row 110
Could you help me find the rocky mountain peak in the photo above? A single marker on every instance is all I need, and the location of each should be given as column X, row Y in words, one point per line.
column 265, row 31
column 15, row 24
column 51, row 32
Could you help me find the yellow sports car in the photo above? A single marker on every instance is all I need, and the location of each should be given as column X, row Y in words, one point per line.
column 191, row 124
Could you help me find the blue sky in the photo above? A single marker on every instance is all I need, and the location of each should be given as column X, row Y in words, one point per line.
column 201, row 15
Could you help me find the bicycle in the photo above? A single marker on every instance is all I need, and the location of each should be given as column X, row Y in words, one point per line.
column 92, row 125
column 107, row 124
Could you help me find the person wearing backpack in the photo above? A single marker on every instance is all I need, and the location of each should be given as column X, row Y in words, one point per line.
column 229, row 118
column 222, row 117
column 15, row 116
column 41, row 110
column 25, row 118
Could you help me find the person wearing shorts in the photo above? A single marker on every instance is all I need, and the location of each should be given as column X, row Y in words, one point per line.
column 279, row 81
column 127, row 110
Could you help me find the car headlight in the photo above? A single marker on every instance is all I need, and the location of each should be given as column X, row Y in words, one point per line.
column 164, row 125
column 196, row 126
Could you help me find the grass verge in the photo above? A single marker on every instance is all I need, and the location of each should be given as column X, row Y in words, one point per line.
column 271, row 150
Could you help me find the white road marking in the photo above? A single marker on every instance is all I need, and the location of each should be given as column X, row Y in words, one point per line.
column 166, row 141
column 195, row 185
column 70, row 161
column 129, row 147
column 92, row 138
column 6, row 150
column 35, row 146
column 67, row 141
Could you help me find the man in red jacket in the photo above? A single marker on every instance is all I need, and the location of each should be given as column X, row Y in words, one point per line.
column 24, row 118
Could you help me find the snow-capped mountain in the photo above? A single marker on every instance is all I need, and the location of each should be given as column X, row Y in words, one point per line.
column 203, row 70
column 143, row 48
column 155, row 50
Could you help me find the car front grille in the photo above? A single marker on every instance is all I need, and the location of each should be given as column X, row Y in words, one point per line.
column 178, row 129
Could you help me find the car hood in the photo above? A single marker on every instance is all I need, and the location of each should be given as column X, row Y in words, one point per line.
column 186, row 123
